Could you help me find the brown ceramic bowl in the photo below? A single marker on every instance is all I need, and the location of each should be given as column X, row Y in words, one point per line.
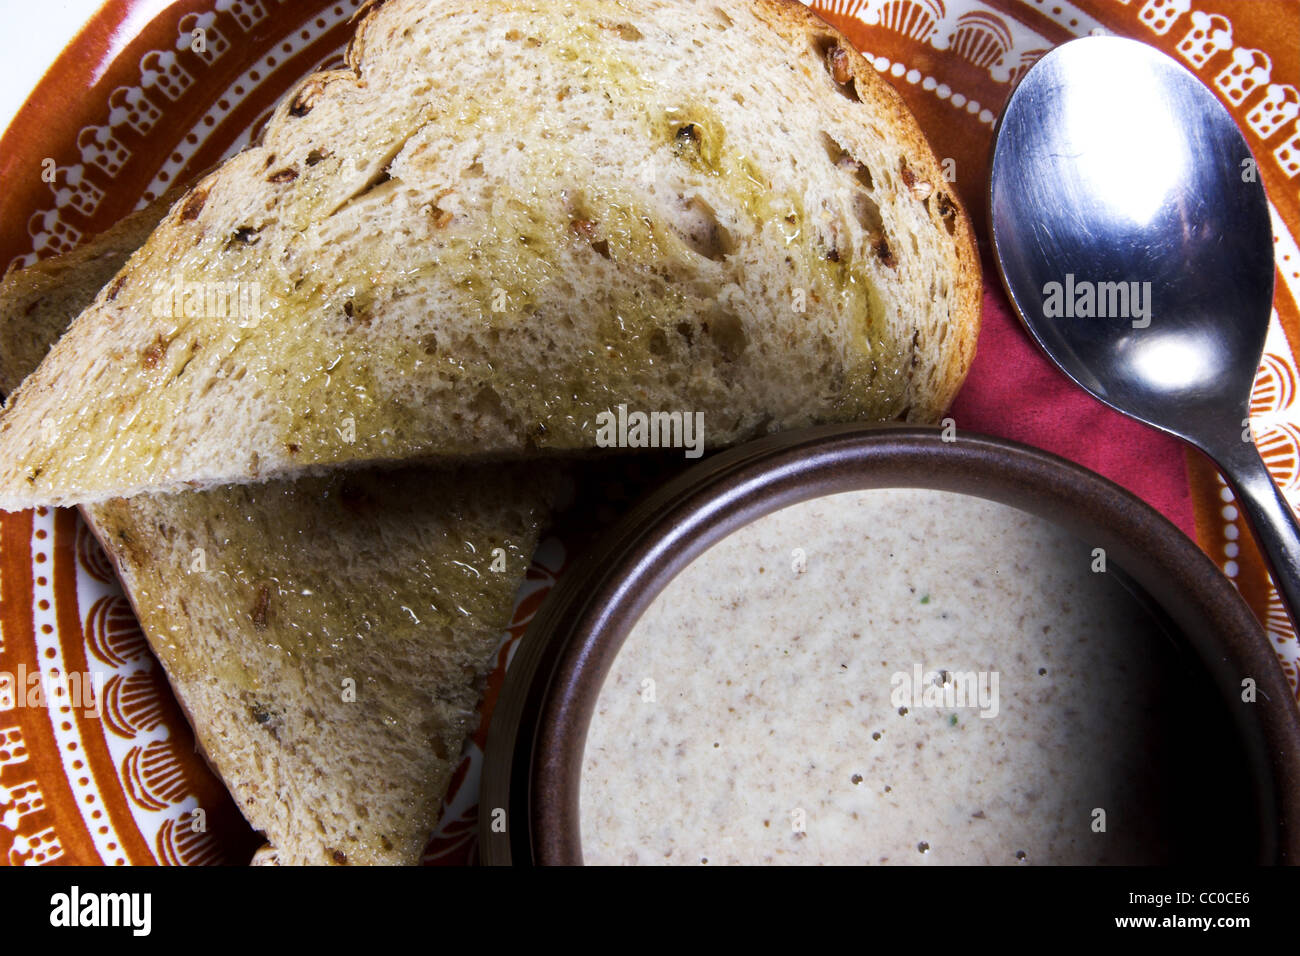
column 535, row 750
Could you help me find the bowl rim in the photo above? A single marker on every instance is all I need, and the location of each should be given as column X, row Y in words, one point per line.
column 532, row 768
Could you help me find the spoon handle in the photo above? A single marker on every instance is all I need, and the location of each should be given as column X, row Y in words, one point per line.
column 1270, row 517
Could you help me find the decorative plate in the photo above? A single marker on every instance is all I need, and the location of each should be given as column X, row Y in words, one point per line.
column 97, row 764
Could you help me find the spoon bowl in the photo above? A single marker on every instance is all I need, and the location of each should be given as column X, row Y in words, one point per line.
column 1133, row 233
column 1134, row 239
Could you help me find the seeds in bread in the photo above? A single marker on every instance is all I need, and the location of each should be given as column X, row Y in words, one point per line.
column 489, row 230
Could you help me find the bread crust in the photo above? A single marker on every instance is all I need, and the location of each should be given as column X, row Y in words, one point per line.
column 797, row 21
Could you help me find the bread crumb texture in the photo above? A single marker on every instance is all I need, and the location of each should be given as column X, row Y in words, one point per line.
column 329, row 638
column 492, row 228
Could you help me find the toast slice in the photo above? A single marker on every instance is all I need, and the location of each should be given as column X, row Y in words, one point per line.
column 490, row 230
column 38, row 303
column 328, row 638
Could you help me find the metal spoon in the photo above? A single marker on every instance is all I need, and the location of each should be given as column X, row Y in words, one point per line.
column 1133, row 236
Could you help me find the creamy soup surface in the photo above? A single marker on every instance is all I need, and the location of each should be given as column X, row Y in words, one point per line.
column 891, row 677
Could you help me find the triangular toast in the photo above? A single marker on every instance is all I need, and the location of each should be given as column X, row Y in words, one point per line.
column 494, row 228
column 264, row 601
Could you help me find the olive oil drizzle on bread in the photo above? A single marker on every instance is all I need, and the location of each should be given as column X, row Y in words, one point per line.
column 489, row 230
column 263, row 601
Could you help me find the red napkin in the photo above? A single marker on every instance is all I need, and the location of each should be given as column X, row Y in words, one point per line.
column 1014, row 391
